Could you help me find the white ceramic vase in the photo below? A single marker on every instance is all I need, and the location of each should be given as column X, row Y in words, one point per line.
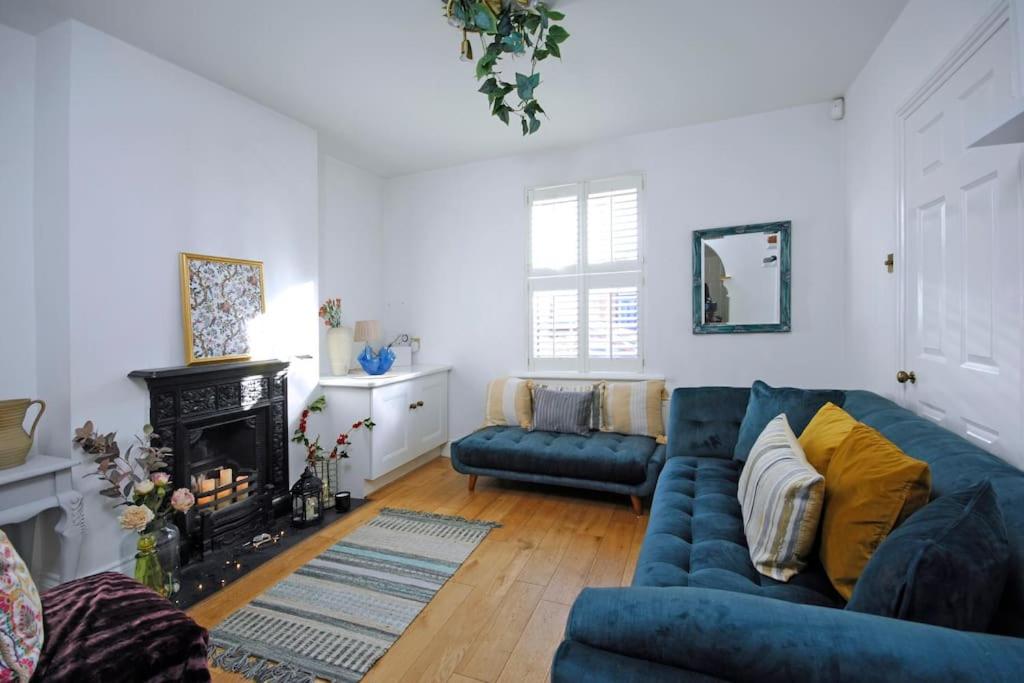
column 339, row 349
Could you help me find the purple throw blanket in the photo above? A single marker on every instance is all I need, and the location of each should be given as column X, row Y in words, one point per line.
column 108, row 628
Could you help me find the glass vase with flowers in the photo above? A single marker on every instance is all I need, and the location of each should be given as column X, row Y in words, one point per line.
column 139, row 482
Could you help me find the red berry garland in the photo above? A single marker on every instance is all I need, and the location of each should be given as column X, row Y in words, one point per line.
column 314, row 451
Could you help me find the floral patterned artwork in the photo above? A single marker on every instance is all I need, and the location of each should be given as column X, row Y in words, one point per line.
column 222, row 298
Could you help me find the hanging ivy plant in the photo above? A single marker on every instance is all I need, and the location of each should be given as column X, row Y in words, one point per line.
column 517, row 28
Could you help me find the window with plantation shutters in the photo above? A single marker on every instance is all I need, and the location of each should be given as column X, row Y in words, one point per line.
column 585, row 277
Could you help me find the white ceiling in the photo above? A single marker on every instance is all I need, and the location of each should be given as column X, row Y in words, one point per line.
column 382, row 83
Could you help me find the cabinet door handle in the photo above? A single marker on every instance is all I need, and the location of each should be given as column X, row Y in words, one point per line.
column 412, row 406
column 419, row 404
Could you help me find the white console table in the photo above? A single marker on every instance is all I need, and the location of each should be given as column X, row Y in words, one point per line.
column 43, row 483
column 409, row 406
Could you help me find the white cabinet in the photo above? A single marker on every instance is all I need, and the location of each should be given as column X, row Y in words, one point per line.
column 430, row 419
column 410, row 409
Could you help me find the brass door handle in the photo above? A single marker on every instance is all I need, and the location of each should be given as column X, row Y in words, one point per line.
column 903, row 377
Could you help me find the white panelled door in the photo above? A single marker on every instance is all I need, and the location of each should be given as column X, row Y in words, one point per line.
column 963, row 313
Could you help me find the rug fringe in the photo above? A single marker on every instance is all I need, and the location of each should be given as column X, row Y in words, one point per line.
column 446, row 518
column 237, row 660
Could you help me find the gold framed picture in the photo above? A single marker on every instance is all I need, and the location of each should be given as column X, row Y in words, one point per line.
column 220, row 298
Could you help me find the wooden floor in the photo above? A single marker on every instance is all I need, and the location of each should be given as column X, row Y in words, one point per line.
column 502, row 615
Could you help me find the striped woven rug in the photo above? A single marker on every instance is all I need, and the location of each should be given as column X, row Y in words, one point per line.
column 339, row 613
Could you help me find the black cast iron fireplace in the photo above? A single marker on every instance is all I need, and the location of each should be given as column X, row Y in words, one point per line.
column 226, row 426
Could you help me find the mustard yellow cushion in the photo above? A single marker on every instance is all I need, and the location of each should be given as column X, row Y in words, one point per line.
column 870, row 487
column 823, row 434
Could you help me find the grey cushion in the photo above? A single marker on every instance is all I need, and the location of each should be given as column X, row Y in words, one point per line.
column 565, row 412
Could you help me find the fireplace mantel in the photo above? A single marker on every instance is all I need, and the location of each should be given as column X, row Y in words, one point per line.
column 251, row 367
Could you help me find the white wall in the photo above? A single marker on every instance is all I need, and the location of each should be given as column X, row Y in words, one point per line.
column 17, row 280
column 456, row 251
column 351, row 244
column 51, row 236
column 919, row 41
column 160, row 161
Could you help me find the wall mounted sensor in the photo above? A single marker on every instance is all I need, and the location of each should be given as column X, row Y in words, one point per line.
column 838, row 112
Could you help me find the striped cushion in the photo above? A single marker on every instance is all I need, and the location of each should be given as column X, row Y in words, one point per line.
column 780, row 496
column 567, row 412
column 634, row 408
column 596, row 389
column 509, row 403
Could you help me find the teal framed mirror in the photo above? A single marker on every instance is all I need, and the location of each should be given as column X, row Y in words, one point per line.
column 742, row 279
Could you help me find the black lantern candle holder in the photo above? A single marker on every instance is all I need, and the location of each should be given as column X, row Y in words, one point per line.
column 307, row 500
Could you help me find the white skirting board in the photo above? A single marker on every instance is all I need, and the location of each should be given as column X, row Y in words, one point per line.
column 377, row 484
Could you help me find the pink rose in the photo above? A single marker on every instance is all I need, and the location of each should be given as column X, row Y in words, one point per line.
column 160, row 478
column 182, row 500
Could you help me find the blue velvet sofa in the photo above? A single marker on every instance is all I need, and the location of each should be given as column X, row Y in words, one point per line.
column 600, row 461
column 698, row 611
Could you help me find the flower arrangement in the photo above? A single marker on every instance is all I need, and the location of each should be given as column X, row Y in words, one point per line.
column 330, row 312
column 315, row 452
column 137, row 479
column 141, row 485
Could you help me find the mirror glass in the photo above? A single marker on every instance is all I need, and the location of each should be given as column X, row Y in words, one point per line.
column 741, row 278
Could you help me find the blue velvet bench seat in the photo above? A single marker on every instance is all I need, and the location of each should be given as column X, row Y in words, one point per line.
column 599, row 461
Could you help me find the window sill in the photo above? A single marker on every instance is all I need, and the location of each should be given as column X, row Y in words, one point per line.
column 589, row 376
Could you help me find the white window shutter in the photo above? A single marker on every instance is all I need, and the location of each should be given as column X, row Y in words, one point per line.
column 585, row 276
column 554, row 229
column 613, row 322
column 613, row 226
column 555, row 323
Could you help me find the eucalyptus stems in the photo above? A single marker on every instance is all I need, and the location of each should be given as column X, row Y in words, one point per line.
column 517, row 28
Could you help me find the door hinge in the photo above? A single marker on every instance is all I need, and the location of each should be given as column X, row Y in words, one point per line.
column 890, row 262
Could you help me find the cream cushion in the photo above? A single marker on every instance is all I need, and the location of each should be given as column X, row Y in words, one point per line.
column 781, row 497
column 634, row 408
column 509, row 403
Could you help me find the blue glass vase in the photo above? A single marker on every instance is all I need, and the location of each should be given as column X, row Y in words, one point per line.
column 376, row 363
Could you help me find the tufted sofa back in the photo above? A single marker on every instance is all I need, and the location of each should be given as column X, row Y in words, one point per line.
column 957, row 464
column 705, row 421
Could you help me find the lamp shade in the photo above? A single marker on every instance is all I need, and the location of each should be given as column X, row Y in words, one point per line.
column 367, row 330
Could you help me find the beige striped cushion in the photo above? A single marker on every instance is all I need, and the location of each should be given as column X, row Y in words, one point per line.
column 781, row 497
column 633, row 408
column 509, row 402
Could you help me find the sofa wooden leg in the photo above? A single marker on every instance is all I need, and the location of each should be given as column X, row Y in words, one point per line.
column 472, row 482
column 638, row 505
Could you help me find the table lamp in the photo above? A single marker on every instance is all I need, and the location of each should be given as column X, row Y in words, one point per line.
column 367, row 331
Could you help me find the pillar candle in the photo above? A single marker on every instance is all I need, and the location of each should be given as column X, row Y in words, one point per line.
column 204, row 486
column 226, row 477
